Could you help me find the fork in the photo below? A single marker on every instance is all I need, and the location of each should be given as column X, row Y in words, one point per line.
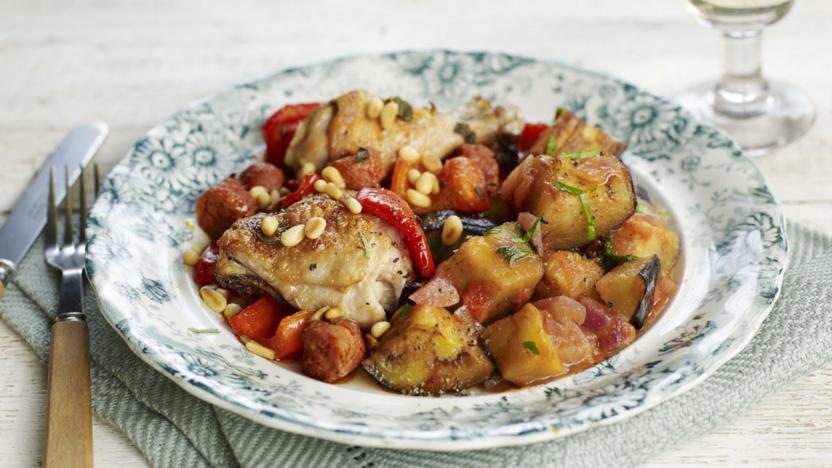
column 69, row 414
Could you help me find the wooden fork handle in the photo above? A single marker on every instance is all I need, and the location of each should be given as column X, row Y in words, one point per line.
column 69, row 412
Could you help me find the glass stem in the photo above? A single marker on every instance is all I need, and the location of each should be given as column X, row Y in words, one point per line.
column 741, row 90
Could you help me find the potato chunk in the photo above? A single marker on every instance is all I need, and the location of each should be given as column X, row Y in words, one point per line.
column 629, row 288
column 522, row 349
column 428, row 351
column 493, row 273
column 644, row 236
column 603, row 179
column 568, row 274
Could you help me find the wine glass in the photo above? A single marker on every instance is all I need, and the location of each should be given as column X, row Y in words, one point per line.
column 757, row 113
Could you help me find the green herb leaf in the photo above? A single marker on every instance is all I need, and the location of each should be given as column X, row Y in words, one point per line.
column 580, row 154
column 365, row 244
column 551, row 145
column 513, row 253
column 608, row 259
column 403, row 311
column 527, row 237
column 204, row 330
column 405, row 109
column 531, row 346
column 590, row 221
column 362, row 154
column 644, row 208
column 465, row 131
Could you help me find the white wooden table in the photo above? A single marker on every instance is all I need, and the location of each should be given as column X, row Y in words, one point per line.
column 133, row 63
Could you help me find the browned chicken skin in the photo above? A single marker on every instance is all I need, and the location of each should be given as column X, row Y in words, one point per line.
column 342, row 127
column 334, row 269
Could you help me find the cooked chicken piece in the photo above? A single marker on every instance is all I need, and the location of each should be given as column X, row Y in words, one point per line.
column 342, row 127
column 334, row 269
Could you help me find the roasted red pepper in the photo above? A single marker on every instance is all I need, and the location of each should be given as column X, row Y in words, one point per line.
column 280, row 128
column 206, row 267
column 389, row 207
column 531, row 132
column 259, row 320
column 305, row 187
column 286, row 340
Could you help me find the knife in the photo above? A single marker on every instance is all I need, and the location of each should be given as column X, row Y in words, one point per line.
column 28, row 217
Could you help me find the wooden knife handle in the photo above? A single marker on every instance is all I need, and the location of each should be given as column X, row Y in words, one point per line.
column 69, row 411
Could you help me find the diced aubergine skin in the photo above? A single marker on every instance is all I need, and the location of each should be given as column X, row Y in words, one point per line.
column 522, row 349
column 471, row 224
column 428, row 351
column 568, row 274
column 489, row 282
column 644, row 236
column 629, row 288
column 604, row 180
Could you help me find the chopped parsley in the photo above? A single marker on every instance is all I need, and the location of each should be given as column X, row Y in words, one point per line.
column 204, row 330
column 531, row 346
column 580, row 154
column 405, row 109
column 465, row 132
column 551, row 145
column 527, row 237
column 590, row 221
column 403, row 311
column 365, row 244
column 362, row 154
column 644, row 208
column 513, row 253
column 608, row 259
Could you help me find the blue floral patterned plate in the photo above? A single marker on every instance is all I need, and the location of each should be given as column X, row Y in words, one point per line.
column 732, row 232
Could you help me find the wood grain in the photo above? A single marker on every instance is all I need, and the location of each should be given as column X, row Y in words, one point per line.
column 131, row 64
column 68, row 408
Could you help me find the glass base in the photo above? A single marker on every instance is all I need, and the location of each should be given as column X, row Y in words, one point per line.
column 788, row 114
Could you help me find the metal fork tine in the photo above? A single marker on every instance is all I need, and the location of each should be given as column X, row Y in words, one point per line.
column 82, row 209
column 68, row 209
column 52, row 213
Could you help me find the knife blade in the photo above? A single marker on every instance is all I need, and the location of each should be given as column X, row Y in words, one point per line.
column 28, row 217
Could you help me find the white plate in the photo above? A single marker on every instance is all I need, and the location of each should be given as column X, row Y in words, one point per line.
column 732, row 232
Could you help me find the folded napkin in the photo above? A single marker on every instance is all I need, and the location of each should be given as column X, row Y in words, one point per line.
column 175, row 429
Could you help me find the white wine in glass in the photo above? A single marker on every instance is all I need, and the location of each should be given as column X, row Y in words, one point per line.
column 760, row 115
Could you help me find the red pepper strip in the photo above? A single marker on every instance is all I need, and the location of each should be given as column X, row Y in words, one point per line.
column 286, row 340
column 280, row 128
column 531, row 132
column 306, row 186
column 259, row 320
column 389, row 207
column 206, row 267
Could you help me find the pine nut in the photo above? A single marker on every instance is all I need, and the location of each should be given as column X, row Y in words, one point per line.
column 424, row 183
column 413, row 175
column 353, row 205
column 332, row 174
column 190, row 257
column 379, row 328
column 374, row 106
column 260, row 350
column 388, row 115
column 213, row 298
column 435, row 180
column 408, row 154
column 319, row 313
column 333, row 191
column 451, row 230
column 232, row 309
column 314, row 227
column 319, row 185
column 261, row 196
column 292, row 236
column 245, row 339
column 269, row 226
column 416, row 198
column 306, row 169
column 334, row 312
column 432, row 164
column 276, row 196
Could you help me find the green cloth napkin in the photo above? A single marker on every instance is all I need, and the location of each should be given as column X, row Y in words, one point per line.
column 174, row 429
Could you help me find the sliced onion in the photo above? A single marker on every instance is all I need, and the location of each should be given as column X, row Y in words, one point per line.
column 438, row 292
column 563, row 307
column 526, row 221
